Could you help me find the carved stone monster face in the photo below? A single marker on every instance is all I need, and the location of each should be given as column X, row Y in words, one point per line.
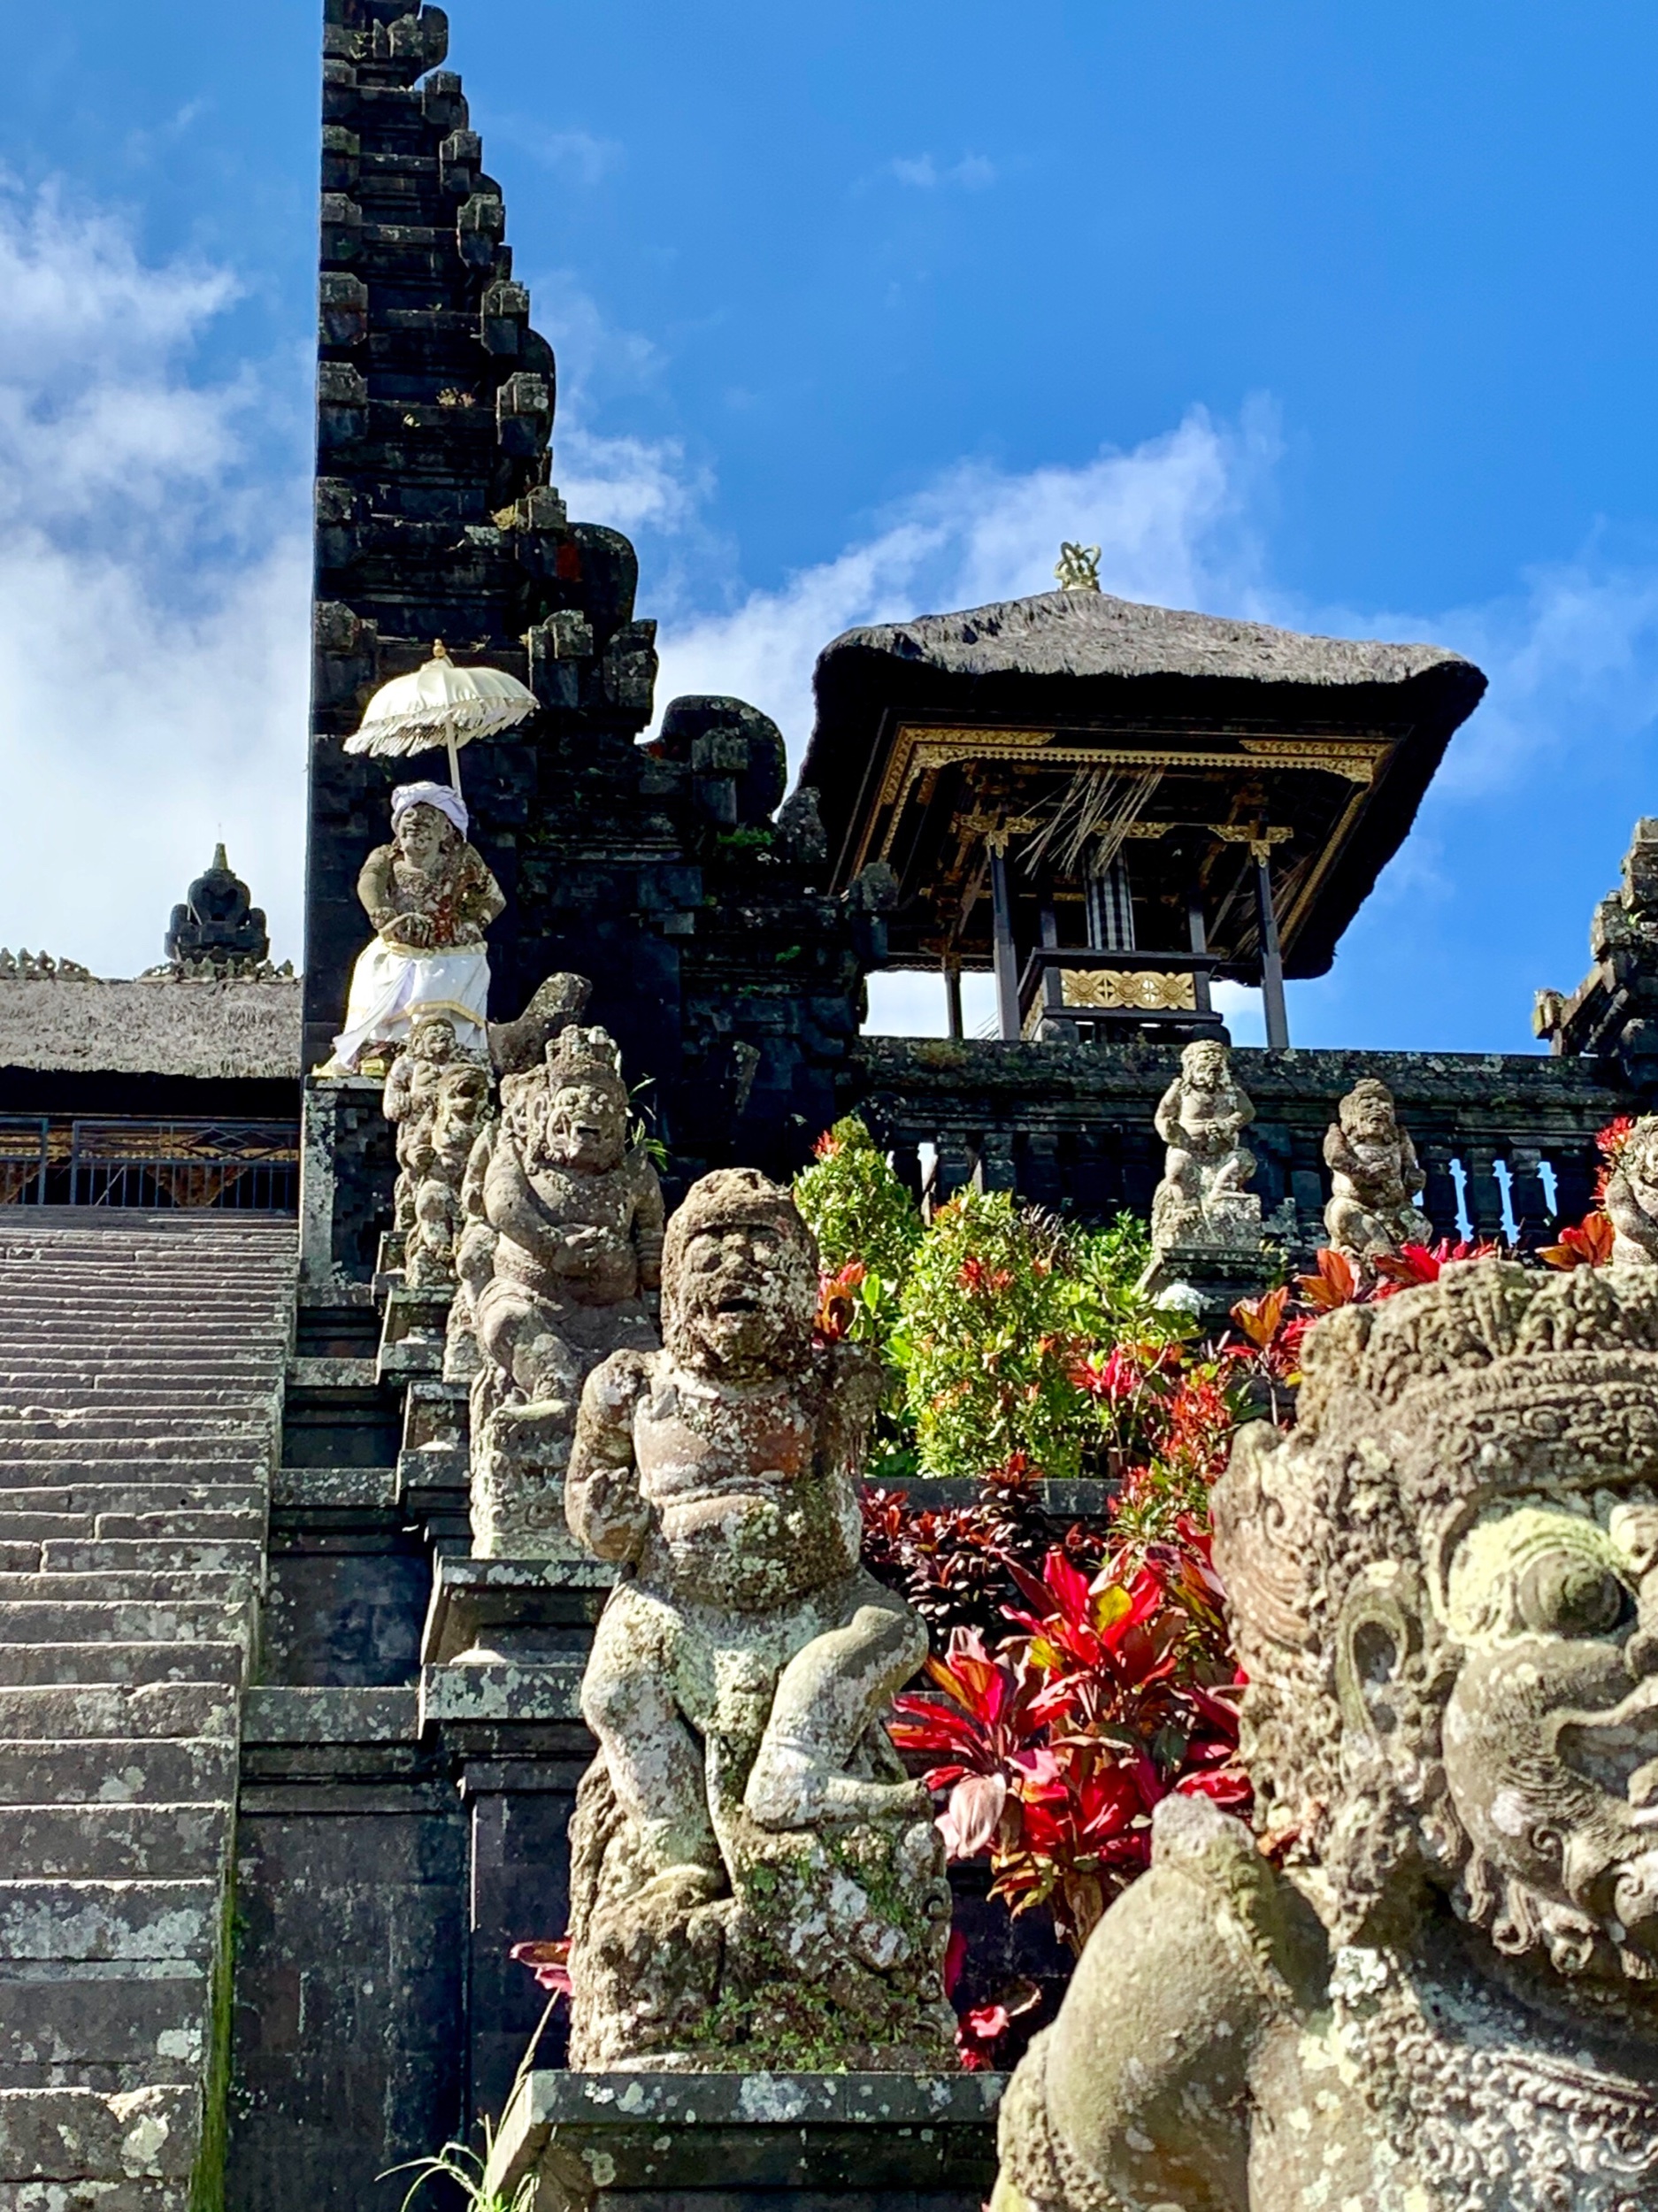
column 1445, row 1594
column 423, row 836
column 1550, row 1739
column 740, row 1280
column 585, row 1129
column 1637, row 1166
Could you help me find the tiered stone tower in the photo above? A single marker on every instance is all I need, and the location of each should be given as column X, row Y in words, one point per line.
column 657, row 872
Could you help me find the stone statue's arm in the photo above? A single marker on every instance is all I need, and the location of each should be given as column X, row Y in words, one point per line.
column 650, row 1216
column 1338, row 1152
column 477, row 1168
column 1167, row 1117
column 398, row 1095
column 374, row 886
column 1139, row 2092
column 481, row 899
column 1409, row 1167
column 604, row 1504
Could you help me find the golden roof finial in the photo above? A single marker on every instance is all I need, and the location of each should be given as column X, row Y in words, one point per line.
column 1078, row 567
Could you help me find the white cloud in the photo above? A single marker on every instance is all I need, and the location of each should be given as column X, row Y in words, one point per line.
column 153, row 611
column 1171, row 519
column 972, row 174
column 580, row 156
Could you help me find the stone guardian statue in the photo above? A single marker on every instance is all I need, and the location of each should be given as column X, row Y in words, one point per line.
column 572, row 1242
column 1375, row 1177
column 1430, row 1982
column 1202, row 1198
column 756, row 1884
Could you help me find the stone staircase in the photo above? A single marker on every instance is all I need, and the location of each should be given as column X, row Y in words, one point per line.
column 140, row 1377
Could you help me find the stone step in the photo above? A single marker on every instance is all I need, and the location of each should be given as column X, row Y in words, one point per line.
column 18, row 1558
column 46, row 1456
column 25, row 1621
column 95, row 1498
column 115, row 1842
column 19, row 1528
column 117, row 1771
column 75, row 2135
column 20, row 1432
column 63, row 1666
column 60, row 1919
column 191, row 1474
column 101, row 2023
column 153, row 1394
column 64, row 1712
column 131, row 1589
column 121, row 1554
column 187, row 1521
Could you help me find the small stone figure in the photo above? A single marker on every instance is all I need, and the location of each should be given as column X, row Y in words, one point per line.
column 218, row 928
column 433, row 1237
column 756, row 1885
column 1433, row 1984
column 409, row 1103
column 1631, row 1197
column 1202, row 1199
column 431, row 898
column 1375, row 1176
column 576, row 1216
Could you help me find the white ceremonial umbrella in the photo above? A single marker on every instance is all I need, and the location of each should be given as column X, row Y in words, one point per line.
column 442, row 704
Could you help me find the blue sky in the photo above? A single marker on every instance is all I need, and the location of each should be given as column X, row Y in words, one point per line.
column 1342, row 318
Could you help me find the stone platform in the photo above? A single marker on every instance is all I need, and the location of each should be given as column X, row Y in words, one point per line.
column 717, row 2142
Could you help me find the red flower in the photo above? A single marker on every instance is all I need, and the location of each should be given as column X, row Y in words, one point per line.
column 981, row 1280
column 1111, row 1377
column 1588, row 1245
column 827, row 1146
column 1414, row 1264
column 547, row 1961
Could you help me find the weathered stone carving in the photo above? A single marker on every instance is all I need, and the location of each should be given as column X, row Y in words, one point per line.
column 432, row 1241
column 576, row 1218
column 516, row 1047
column 1202, row 1198
column 754, row 1884
column 1444, row 1592
column 1375, row 1175
column 218, row 930
column 1631, row 1197
column 409, row 1103
column 430, row 897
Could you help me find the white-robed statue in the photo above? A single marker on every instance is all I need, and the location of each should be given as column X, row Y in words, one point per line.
column 431, row 897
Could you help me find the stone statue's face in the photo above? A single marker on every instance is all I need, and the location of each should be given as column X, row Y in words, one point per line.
column 433, row 1041
column 1551, row 1730
column 1368, row 1120
column 465, row 1094
column 422, row 836
column 586, row 1127
column 743, row 1299
column 1204, row 1067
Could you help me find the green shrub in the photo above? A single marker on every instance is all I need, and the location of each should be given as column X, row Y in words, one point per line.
column 857, row 1208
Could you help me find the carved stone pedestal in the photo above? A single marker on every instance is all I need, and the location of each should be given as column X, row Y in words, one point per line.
column 631, row 2142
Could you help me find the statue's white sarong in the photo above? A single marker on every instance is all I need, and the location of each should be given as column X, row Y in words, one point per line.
column 391, row 984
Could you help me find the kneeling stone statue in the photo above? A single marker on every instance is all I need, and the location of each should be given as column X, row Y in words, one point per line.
column 1444, row 1594
column 754, row 1883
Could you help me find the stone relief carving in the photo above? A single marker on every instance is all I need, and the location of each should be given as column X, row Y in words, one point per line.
column 756, row 1884
column 1375, row 1177
column 1433, row 1984
column 571, row 1225
column 1200, row 1116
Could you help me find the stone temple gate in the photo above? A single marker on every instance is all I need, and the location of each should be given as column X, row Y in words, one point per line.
column 287, row 1767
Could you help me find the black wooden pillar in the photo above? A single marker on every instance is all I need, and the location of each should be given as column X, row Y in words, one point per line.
column 1271, row 959
column 1006, row 958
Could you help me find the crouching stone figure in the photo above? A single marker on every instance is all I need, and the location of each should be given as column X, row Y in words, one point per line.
column 754, row 1882
column 1431, row 1984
